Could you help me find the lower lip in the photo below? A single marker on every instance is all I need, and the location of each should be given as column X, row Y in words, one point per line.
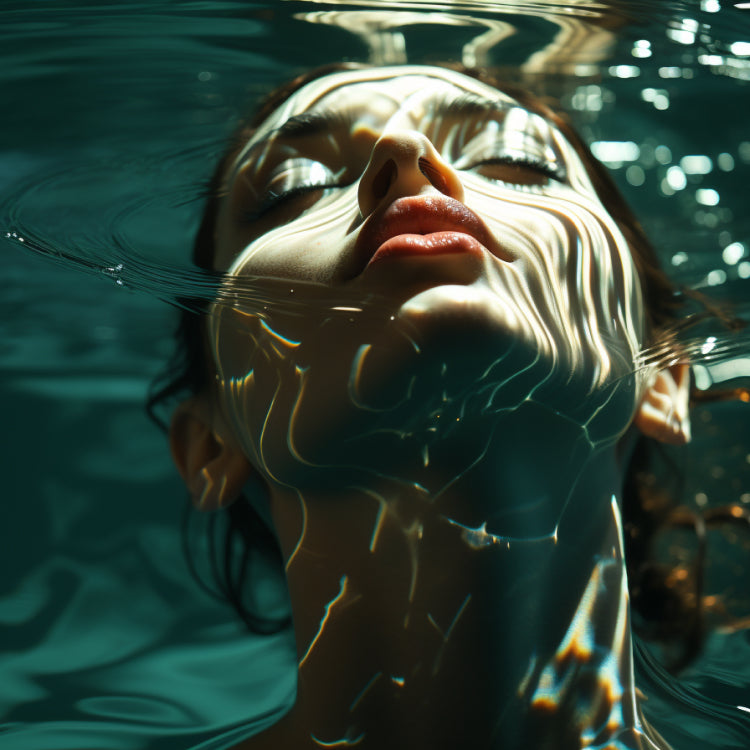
column 436, row 243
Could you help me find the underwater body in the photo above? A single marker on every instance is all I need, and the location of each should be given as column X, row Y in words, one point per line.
column 115, row 645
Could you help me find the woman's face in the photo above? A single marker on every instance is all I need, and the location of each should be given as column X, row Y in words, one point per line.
column 444, row 202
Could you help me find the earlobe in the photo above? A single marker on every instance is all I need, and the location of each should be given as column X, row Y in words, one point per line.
column 663, row 413
column 213, row 468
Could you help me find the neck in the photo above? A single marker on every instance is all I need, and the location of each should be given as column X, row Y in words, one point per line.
column 484, row 597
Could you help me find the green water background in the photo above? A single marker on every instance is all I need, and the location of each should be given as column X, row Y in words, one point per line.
column 113, row 116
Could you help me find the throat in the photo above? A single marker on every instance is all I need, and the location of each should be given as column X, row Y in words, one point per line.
column 496, row 604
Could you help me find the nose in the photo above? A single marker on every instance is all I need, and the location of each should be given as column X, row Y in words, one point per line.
column 405, row 163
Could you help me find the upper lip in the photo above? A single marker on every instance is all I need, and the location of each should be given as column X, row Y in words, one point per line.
column 423, row 214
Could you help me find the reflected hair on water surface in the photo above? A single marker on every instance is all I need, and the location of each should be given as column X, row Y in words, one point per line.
column 238, row 534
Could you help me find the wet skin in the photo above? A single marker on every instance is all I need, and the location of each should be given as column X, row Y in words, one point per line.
column 432, row 153
column 440, row 453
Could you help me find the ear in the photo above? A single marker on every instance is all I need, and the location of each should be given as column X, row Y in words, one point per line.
column 664, row 411
column 212, row 466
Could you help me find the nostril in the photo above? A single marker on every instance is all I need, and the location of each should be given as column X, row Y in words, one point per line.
column 384, row 179
column 436, row 178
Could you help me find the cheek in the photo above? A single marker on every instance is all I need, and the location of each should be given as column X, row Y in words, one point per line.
column 311, row 246
column 574, row 286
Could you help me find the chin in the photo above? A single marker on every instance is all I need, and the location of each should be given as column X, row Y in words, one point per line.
column 460, row 320
column 469, row 303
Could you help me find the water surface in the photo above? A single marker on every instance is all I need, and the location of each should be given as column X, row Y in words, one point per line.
column 113, row 117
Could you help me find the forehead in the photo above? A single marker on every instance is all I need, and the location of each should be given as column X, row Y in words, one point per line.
column 379, row 93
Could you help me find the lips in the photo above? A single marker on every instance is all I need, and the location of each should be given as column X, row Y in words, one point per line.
column 424, row 225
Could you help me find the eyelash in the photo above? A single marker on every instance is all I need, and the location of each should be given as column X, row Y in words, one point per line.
column 276, row 200
column 273, row 200
column 535, row 166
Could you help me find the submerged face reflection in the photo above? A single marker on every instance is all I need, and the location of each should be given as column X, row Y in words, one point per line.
column 467, row 216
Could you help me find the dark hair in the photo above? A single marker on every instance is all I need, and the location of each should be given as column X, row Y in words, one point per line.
column 668, row 607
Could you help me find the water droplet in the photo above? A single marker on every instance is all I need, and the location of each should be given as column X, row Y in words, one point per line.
column 696, row 164
column 663, row 154
column 679, row 258
column 716, row 277
column 676, row 178
column 709, row 345
column 707, row 197
column 725, row 162
column 635, row 175
column 732, row 254
column 114, row 273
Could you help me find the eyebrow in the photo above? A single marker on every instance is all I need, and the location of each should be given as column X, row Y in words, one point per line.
column 472, row 105
column 308, row 124
column 305, row 124
column 314, row 123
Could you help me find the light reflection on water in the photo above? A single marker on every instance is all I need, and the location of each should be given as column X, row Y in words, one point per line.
column 142, row 100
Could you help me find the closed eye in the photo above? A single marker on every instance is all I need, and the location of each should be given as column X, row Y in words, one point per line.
column 516, row 170
column 290, row 182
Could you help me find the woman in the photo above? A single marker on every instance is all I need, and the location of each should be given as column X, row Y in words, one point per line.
column 439, row 405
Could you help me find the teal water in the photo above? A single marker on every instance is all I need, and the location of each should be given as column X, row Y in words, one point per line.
column 113, row 117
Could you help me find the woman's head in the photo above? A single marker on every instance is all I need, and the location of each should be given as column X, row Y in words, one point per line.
column 470, row 217
column 322, row 138
column 371, row 126
column 339, row 184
